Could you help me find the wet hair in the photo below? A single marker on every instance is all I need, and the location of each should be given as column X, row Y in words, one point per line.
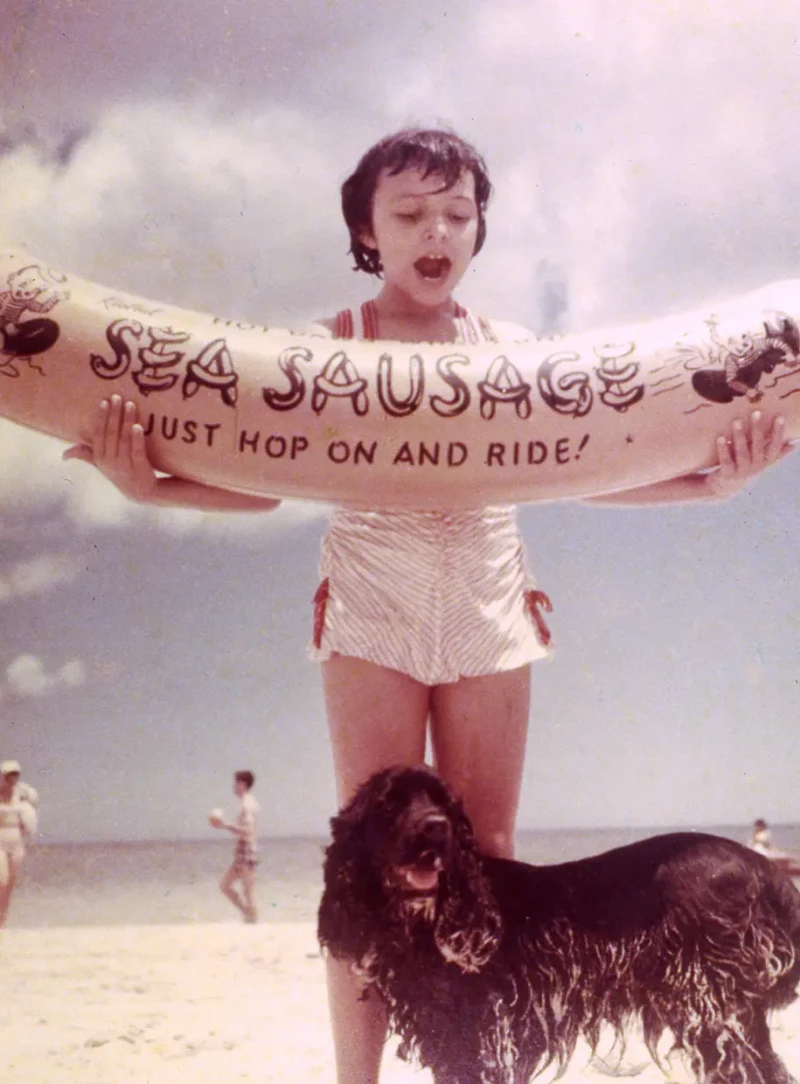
column 245, row 777
column 431, row 150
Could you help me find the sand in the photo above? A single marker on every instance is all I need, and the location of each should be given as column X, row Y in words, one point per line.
column 223, row 1003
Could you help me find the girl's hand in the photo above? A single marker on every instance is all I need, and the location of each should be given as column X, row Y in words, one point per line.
column 746, row 454
column 740, row 459
column 117, row 449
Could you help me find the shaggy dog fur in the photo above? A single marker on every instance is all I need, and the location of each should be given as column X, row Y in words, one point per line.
column 490, row 970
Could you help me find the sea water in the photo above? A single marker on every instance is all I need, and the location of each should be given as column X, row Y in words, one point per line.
column 120, row 884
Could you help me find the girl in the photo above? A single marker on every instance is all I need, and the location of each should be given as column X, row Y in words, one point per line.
column 425, row 623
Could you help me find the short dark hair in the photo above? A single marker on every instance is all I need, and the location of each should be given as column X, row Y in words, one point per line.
column 431, row 150
column 245, row 777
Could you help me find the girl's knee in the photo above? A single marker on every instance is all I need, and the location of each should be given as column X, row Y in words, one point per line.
column 497, row 843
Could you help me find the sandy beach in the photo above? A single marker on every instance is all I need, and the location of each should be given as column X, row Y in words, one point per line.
column 197, row 1004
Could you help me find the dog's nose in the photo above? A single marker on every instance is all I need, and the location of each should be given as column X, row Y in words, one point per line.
column 435, row 828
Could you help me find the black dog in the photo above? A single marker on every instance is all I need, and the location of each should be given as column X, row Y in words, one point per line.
column 490, row 970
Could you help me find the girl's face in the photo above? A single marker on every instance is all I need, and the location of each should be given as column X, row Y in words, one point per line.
column 425, row 234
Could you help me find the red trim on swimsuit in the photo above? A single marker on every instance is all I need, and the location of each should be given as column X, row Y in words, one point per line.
column 343, row 325
column 534, row 600
column 487, row 330
column 320, row 605
column 369, row 319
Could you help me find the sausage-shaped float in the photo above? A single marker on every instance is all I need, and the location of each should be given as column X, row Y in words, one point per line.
column 395, row 425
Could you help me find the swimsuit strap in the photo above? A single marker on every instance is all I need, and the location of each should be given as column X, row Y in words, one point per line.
column 343, row 324
column 473, row 329
column 369, row 321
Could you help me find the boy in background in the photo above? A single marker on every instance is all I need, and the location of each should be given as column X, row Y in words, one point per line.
column 245, row 857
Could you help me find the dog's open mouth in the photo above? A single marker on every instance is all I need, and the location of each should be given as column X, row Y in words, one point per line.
column 421, row 852
column 420, row 879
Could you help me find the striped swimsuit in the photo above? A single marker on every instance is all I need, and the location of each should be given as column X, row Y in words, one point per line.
column 435, row 595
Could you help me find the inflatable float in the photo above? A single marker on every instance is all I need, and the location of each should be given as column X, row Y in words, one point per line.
column 395, row 425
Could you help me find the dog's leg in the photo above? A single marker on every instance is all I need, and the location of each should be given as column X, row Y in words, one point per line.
column 463, row 1075
column 736, row 1055
column 458, row 1069
column 774, row 1071
column 759, row 1038
column 458, row 1060
column 471, row 1071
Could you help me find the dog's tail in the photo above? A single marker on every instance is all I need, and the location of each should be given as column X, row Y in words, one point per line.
column 757, row 919
column 733, row 918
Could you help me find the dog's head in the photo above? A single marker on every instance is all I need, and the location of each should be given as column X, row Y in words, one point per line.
column 403, row 852
column 408, row 826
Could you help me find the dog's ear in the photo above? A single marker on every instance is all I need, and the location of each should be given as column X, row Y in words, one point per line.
column 468, row 926
column 352, row 897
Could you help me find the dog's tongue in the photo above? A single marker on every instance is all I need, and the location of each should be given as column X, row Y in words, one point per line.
column 432, row 267
column 421, row 880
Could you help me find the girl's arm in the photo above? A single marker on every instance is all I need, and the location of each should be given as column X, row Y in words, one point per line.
column 117, row 449
column 739, row 461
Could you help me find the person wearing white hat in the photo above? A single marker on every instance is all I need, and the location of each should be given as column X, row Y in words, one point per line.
column 17, row 824
column 25, row 792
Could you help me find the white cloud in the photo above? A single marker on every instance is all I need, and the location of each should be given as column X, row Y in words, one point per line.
column 652, row 133
column 29, row 466
column 37, row 575
column 188, row 204
column 32, row 474
column 27, row 677
column 72, row 673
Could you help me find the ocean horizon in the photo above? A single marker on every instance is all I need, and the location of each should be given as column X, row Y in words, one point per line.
column 164, row 882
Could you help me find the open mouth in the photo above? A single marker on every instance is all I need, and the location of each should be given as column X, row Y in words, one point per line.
column 433, row 268
column 420, row 879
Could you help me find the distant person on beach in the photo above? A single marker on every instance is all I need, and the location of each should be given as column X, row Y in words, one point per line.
column 425, row 623
column 17, row 825
column 760, row 838
column 761, row 841
column 24, row 791
column 242, row 869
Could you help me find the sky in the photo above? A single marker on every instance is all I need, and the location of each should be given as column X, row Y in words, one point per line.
column 192, row 152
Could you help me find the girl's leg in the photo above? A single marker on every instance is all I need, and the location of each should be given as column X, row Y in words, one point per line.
column 479, row 727
column 377, row 718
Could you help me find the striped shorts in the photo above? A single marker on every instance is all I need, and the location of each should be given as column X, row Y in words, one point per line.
column 245, row 856
column 437, row 596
